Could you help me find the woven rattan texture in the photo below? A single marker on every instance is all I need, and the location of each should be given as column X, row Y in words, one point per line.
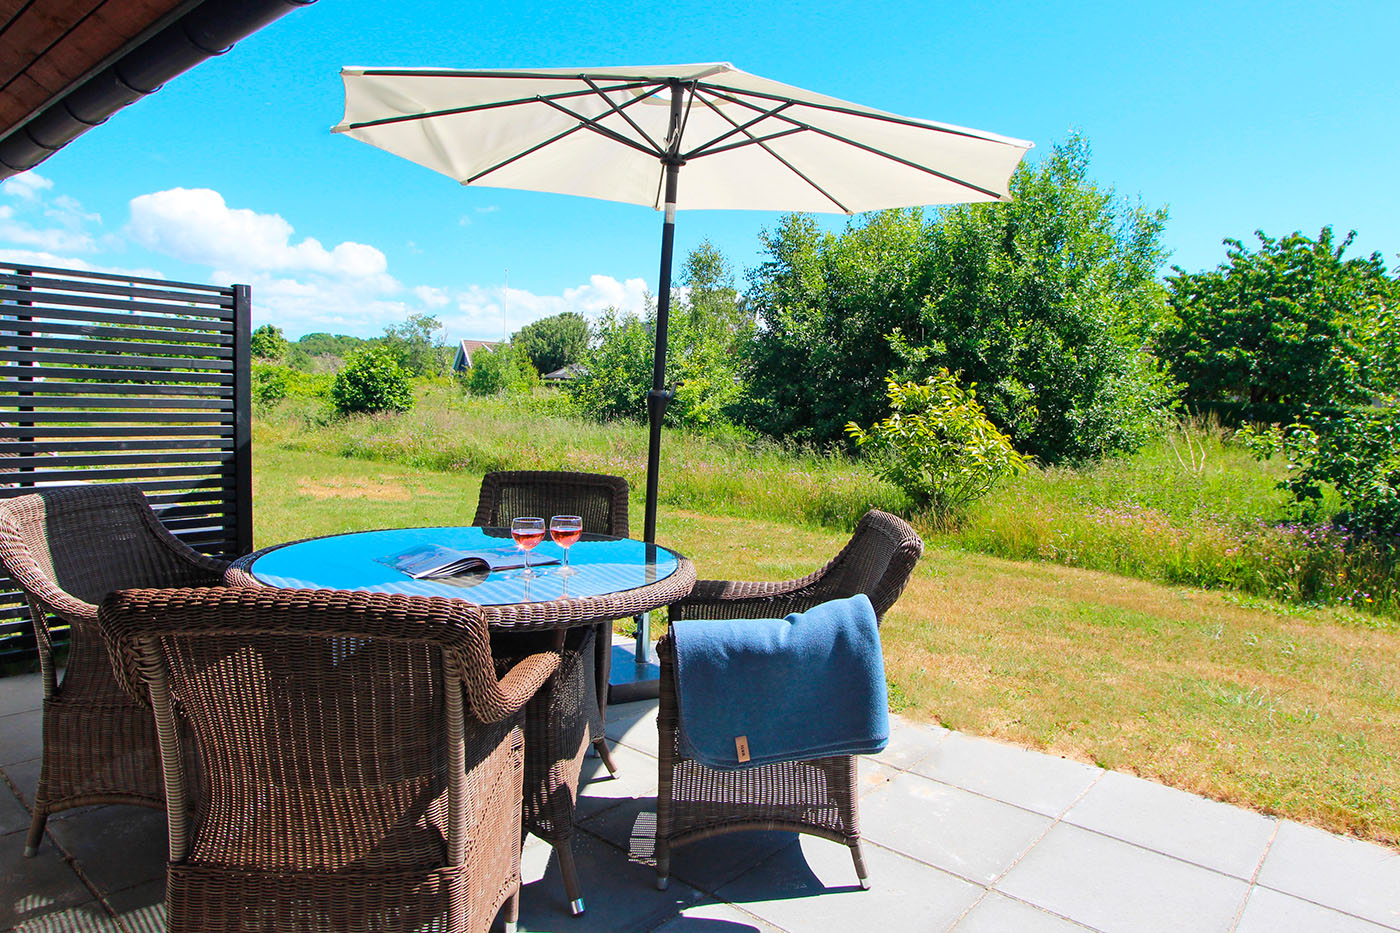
column 68, row 547
column 573, row 705
column 362, row 762
column 816, row 797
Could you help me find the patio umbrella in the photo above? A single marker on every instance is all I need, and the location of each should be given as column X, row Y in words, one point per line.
column 624, row 134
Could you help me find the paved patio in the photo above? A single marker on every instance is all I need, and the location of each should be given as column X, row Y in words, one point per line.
column 961, row 834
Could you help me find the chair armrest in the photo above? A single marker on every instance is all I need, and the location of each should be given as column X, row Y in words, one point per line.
column 739, row 599
column 492, row 702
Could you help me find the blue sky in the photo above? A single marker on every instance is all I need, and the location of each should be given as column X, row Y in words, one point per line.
column 1233, row 115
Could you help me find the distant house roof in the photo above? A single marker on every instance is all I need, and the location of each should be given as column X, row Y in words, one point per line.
column 566, row 374
column 466, row 348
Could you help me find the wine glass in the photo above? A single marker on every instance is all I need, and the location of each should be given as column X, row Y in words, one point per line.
column 565, row 530
column 527, row 532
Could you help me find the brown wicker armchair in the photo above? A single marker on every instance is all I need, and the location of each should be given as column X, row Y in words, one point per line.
column 573, row 704
column 361, row 763
column 68, row 547
column 818, row 797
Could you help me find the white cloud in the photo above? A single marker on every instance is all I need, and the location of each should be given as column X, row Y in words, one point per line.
column 22, row 257
column 432, row 297
column 52, row 226
column 486, row 311
column 26, row 185
column 196, row 225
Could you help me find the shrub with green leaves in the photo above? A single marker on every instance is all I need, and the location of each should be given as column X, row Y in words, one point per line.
column 506, row 370
column 938, row 446
column 1355, row 452
column 372, row 380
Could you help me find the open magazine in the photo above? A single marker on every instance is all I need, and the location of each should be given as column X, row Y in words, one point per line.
column 432, row 561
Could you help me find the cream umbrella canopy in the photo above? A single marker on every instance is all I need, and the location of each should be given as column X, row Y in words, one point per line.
column 625, row 133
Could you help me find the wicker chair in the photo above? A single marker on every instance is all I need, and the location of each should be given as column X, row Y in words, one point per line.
column 818, row 796
column 573, row 704
column 361, row 763
column 68, row 547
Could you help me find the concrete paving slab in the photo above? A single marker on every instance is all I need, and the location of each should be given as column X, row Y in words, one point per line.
column 91, row 917
column 20, row 736
column 910, row 743
column 1349, row 875
column 13, row 815
column 1030, row 780
column 1271, row 912
column 997, row 913
column 712, row 916
column 31, row 888
column 116, row 847
column 141, row 909
column 620, row 896
column 1113, row 886
column 810, row 885
column 950, row 828
column 1173, row 822
column 597, row 791
column 707, row 864
column 24, row 775
column 634, row 725
column 21, row 693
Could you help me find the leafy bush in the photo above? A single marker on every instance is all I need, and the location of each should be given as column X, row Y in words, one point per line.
column 708, row 327
column 938, row 446
column 269, row 383
column 267, row 343
column 1289, row 325
column 1047, row 301
column 417, row 346
column 1355, row 452
column 372, row 380
column 504, row 370
column 554, row 342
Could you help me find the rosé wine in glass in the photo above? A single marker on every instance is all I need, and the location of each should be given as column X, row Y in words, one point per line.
column 527, row 532
column 565, row 530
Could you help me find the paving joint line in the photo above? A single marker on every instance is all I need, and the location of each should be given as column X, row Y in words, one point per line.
column 1254, row 876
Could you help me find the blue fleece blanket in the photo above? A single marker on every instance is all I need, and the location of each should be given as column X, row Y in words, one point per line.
column 807, row 686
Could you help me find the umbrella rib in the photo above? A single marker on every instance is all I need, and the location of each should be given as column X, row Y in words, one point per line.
column 747, row 142
column 851, row 111
column 704, row 148
column 591, row 123
column 621, row 112
column 520, row 155
column 494, row 105
column 768, row 149
column 996, row 196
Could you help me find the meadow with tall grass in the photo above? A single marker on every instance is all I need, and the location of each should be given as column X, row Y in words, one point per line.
column 1191, row 508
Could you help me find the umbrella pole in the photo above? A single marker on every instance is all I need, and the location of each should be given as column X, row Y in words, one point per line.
column 660, row 397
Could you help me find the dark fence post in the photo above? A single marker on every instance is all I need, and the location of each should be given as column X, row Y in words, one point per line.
column 243, row 416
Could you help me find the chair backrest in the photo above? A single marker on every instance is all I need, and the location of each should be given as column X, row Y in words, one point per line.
column 88, row 540
column 323, row 722
column 877, row 561
column 601, row 500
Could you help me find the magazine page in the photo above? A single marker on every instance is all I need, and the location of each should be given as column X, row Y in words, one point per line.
column 431, row 561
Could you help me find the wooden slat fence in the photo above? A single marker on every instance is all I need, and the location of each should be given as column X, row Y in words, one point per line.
column 107, row 378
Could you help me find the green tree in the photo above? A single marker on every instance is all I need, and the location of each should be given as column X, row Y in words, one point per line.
column 372, row 380
column 417, row 345
column 554, row 342
column 708, row 328
column 267, row 343
column 1288, row 325
column 504, row 370
column 323, row 344
column 1047, row 302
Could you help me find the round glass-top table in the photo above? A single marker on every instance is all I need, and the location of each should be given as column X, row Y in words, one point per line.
column 616, row 577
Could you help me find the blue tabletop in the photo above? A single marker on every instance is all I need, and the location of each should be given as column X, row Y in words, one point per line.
column 351, row 562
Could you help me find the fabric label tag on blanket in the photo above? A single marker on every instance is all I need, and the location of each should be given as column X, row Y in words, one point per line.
column 741, row 747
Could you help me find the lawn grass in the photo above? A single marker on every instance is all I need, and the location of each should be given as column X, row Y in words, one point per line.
column 1290, row 711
